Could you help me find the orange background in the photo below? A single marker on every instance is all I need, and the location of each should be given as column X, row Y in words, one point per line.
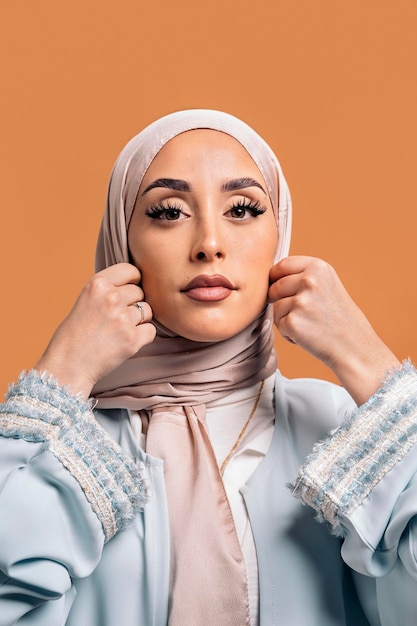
column 331, row 86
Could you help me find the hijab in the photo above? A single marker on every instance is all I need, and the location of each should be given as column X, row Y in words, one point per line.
column 172, row 369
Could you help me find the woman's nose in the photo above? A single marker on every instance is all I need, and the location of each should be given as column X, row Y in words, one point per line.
column 207, row 256
column 208, row 243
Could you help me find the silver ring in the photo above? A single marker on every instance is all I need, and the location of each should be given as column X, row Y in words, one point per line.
column 142, row 311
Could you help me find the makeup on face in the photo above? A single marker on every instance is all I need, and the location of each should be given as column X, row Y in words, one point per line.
column 204, row 236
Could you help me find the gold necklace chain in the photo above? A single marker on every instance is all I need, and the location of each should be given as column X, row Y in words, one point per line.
column 242, row 432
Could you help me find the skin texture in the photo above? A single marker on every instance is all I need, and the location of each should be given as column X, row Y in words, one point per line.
column 212, row 235
column 204, row 231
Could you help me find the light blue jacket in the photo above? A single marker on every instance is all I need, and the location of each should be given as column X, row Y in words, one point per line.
column 84, row 534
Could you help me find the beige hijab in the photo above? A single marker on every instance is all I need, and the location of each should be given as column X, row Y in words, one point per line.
column 173, row 379
column 172, row 369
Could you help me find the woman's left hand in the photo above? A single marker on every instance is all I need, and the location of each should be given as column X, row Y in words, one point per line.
column 313, row 310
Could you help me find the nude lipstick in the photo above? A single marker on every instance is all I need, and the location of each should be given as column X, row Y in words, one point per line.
column 206, row 288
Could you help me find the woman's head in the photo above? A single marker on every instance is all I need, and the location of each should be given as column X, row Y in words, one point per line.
column 198, row 202
column 209, row 151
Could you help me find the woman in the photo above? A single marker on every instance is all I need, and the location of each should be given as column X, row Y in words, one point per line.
column 164, row 498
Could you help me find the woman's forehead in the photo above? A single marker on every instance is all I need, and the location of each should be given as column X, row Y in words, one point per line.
column 188, row 152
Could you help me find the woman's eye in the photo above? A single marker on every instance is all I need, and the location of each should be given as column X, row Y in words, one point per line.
column 172, row 214
column 168, row 213
column 243, row 209
column 238, row 211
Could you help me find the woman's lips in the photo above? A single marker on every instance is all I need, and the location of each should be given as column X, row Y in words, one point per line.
column 207, row 288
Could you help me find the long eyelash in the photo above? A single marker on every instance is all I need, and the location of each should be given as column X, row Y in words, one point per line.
column 156, row 211
column 254, row 207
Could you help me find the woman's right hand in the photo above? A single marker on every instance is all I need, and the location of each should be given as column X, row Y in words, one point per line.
column 103, row 329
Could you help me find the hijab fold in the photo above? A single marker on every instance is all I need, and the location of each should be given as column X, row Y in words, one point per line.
column 173, row 379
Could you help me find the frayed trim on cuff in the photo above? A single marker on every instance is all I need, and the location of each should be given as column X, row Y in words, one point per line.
column 38, row 409
column 342, row 470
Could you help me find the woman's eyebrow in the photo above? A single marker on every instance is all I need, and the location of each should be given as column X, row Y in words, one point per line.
column 182, row 185
column 241, row 183
column 169, row 183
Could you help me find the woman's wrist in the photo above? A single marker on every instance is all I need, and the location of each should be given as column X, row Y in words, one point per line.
column 66, row 375
column 362, row 373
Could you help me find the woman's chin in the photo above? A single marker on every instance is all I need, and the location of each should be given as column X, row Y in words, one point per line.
column 202, row 329
column 201, row 335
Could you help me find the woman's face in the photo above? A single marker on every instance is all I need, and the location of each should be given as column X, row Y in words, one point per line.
column 203, row 235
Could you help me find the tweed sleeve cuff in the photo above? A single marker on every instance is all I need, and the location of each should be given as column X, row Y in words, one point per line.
column 37, row 409
column 342, row 471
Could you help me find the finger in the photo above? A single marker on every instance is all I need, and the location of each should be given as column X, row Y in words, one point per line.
column 143, row 312
column 146, row 333
column 287, row 321
column 286, row 337
column 283, row 288
column 115, row 299
column 121, row 274
column 282, row 308
column 130, row 294
column 289, row 265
